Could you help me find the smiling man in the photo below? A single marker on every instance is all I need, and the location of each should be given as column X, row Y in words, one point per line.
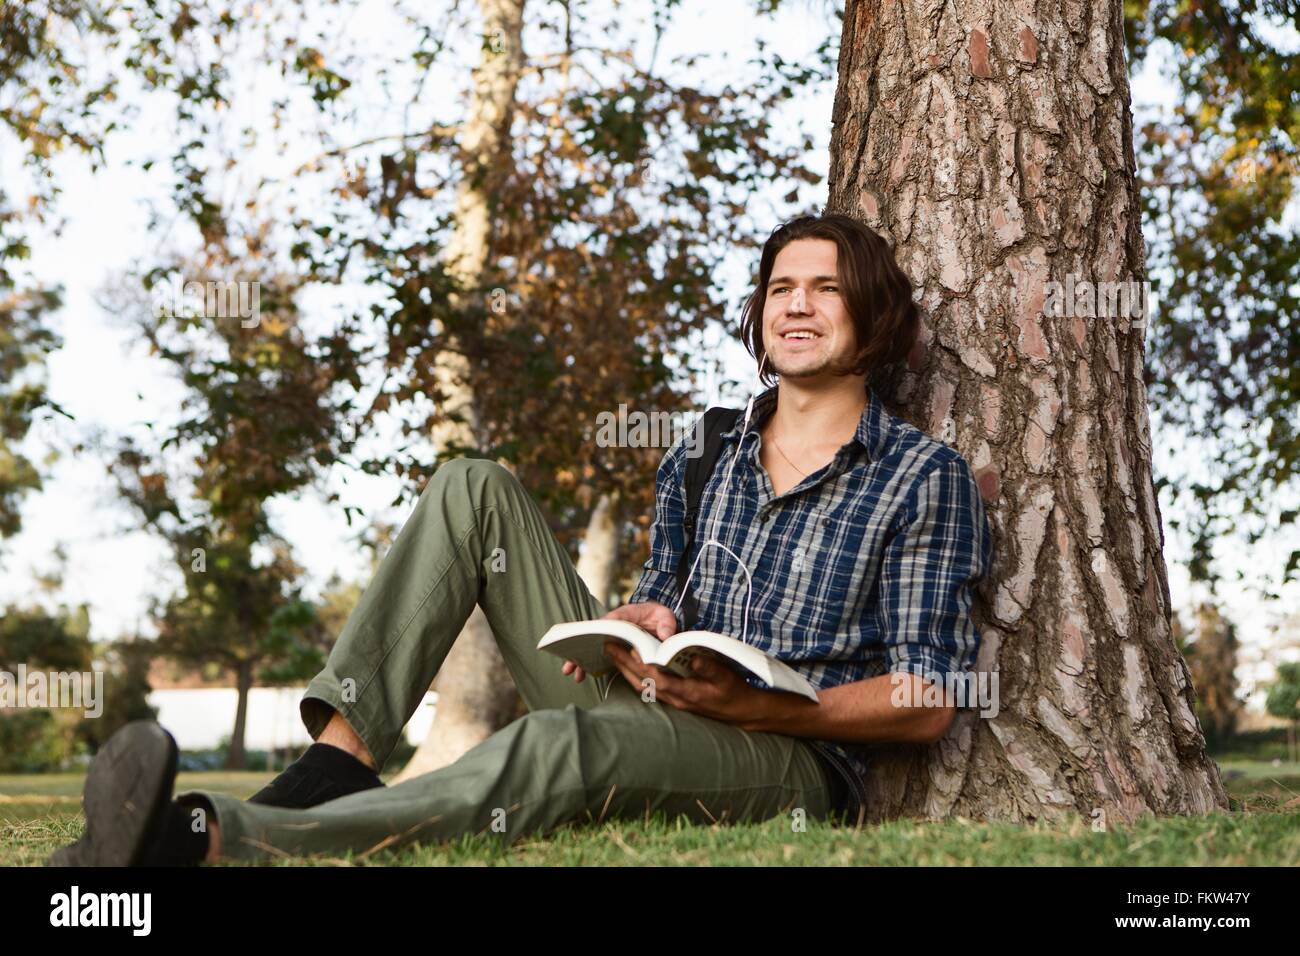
column 864, row 539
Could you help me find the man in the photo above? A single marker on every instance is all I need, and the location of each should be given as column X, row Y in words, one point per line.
column 864, row 539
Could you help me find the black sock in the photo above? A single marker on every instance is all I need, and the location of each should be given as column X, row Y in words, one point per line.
column 323, row 773
column 179, row 843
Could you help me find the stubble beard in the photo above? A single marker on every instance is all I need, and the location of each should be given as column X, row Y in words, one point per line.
column 822, row 367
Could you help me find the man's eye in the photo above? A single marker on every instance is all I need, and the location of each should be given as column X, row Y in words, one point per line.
column 831, row 287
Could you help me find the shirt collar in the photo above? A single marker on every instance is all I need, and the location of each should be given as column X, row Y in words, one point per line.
column 872, row 433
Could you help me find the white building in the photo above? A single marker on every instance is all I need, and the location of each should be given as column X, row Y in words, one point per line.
column 200, row 717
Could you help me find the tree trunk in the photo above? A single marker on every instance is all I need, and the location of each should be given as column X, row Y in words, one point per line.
column 599, row 558
column 476, row 695
column 237, row 758
column 991, row 142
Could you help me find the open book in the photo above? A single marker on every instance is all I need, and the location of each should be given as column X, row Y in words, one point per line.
column 583, row 642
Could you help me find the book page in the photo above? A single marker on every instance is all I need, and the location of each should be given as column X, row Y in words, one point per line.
column 583, row 642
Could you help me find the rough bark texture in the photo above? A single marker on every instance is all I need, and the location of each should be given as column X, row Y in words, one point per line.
column 991, row 142
column 476, row 695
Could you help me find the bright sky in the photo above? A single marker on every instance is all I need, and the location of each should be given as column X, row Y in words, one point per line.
column 103, row 378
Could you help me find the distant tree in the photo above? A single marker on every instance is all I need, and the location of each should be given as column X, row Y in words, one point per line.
column 58, row 640
column 1212, row 659
column 1284, row 701
column 1216, row 180
column 38, row 738
column 336, row 604
column 126, row 671
column 259, row 420
column 47, row 105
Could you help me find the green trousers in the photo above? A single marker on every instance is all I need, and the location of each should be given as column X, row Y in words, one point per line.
column 584, row 752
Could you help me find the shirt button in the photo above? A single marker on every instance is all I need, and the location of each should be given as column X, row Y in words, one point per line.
column 826, row 522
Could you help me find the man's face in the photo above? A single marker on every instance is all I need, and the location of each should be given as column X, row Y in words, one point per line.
column 806, row 328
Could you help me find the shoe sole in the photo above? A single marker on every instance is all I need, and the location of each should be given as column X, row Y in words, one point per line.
column 129, row 784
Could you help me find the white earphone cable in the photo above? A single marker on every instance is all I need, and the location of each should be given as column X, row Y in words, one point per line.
column 712, row 540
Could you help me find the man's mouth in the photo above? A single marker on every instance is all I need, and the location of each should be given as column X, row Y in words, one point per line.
column 796, row 335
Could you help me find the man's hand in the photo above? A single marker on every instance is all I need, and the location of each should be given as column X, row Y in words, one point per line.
column 650, row 616
column 714, row 689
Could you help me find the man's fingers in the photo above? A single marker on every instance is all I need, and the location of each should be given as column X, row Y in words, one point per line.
column 623, row 661
column 666, row 680
column 704, row 667
column 569, row 667
column 664, row 623
column 669, row 687
column 652, row 617
column 631, row 675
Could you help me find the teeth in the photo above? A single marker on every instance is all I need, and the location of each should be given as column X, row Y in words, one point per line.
column 799, row 335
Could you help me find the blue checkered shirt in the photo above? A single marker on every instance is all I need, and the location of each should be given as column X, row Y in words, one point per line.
column 866, row 566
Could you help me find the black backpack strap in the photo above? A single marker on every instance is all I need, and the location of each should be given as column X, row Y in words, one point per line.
column 708, row 438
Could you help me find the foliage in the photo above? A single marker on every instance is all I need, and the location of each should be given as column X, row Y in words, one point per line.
column 622, row 193
column 1284, row 695
column 1212, row 659
column 259, row 420
column 126, row 677
column 47, row 104
column 1216, row 179
column 32, row 738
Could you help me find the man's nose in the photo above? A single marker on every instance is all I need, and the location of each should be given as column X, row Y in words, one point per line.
column 798, row 302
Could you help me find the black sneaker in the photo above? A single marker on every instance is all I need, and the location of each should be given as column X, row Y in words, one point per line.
column 126, row 799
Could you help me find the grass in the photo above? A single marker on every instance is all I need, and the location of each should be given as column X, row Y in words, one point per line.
column 1256, row 745
column 39, row 813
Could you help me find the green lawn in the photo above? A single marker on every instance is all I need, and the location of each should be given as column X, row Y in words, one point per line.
column 39, row 813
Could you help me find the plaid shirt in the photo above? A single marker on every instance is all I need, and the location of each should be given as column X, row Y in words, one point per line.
column 864, row 567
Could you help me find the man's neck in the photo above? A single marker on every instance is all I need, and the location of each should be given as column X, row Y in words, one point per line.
column 830, row 411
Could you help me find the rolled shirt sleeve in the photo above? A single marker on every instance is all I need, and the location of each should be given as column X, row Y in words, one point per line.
column 929, row 572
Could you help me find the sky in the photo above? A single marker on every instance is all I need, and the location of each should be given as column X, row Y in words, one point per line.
column 105, row 379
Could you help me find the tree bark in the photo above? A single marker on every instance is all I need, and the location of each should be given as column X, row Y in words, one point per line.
column 476, row 694
column 992, row 143
column 599, row 558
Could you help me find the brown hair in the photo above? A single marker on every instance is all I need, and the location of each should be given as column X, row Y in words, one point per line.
column 877, row 293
